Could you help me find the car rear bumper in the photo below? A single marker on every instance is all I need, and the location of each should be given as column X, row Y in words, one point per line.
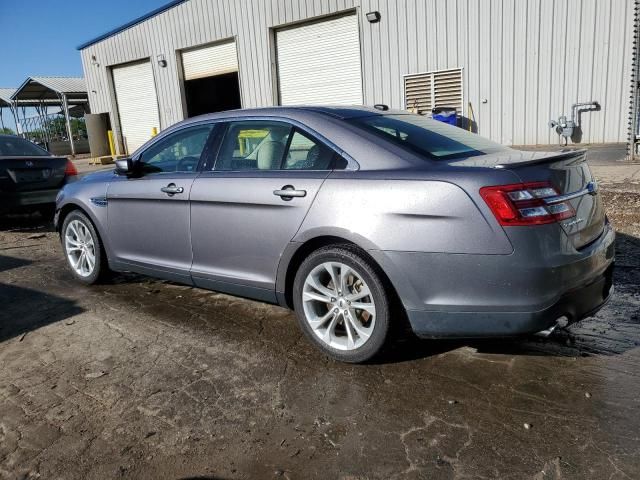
column 574, row 305
column 17, row 200
column 472, row 296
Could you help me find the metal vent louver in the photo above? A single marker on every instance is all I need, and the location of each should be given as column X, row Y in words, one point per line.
column 424, row 91
column 418, row 92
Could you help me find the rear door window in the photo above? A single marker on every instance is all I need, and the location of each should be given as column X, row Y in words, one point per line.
column 306, row 153
column 273, row 145
column 253, row 145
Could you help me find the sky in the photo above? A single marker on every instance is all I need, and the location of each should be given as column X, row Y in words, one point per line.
column 40, row 37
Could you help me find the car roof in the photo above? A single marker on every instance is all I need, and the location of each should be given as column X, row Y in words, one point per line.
column 297, row 112
column 329, row 123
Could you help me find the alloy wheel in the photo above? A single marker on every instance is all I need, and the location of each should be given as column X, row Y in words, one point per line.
column 80, row 248
column 338, row 306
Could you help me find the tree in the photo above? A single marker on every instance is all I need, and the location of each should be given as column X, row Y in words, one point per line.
column 58, row 127
column 6, row 131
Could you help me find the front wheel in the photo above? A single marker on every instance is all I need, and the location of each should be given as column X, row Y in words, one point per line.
column 82, row 248
column 341, row 303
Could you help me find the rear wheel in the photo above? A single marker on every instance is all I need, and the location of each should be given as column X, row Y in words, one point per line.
column 83, row 248
column 341, row 303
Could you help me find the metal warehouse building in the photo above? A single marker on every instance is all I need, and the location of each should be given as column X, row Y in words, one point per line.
column 507, row 66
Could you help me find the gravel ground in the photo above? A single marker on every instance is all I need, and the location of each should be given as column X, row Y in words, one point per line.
column 140, row 378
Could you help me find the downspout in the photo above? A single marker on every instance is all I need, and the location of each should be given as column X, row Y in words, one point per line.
column 634, row 110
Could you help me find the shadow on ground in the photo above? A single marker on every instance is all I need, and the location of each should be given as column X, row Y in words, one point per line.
column 32, row 222
column 25, row 309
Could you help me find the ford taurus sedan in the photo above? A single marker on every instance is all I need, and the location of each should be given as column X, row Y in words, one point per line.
column 30, row 177
column 357, row 218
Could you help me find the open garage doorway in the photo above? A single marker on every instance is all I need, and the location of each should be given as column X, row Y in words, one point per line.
column 212, row 94
column 211, row 82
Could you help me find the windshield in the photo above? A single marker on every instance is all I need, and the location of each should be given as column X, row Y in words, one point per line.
column 19, row 147
column 425, row 136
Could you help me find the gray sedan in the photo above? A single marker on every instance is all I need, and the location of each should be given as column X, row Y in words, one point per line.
column 359, row 219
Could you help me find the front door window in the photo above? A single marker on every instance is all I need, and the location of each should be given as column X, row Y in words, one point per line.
column 178, row 152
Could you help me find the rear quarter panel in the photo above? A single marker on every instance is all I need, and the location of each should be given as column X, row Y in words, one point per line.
column 402, row 215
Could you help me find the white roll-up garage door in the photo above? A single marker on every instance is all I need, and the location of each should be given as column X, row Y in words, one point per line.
column 320, row 63
column 137, row 103
column 210, row 61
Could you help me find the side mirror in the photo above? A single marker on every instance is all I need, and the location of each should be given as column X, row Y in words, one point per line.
column 124, row 166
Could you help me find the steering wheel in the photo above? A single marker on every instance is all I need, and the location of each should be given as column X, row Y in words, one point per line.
column 187, row 164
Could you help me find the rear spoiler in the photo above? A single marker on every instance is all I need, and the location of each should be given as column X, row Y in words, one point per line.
column 579, row 156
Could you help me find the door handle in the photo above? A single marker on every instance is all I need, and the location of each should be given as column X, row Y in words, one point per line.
column 171, row 189
column 288, row 192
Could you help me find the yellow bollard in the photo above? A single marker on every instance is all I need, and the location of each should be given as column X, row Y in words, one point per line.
column 112, row 145
column 154, row 131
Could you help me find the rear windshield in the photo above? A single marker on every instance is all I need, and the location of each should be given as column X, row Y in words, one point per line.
column 19, row 147
column 427, row 137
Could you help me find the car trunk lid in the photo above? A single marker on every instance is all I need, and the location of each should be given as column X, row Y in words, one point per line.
column 31, row 173
column 570, row 175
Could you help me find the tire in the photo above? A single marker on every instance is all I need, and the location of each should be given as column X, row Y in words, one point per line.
column 88, row 241
column 321, row 315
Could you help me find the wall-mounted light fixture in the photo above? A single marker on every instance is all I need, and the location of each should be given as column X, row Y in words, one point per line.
column 94, row 61
column 161, row 61
column 373, row 17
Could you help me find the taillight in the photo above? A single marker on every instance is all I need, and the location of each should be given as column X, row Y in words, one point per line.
column 70, row 169
column 524, row 204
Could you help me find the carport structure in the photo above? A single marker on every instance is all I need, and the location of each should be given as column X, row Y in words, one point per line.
column 44, row 92
column 5, row 102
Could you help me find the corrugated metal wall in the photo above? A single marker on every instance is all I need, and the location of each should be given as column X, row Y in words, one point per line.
column 524, row 61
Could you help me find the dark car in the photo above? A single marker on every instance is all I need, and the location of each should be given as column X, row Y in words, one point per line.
column 30, row 177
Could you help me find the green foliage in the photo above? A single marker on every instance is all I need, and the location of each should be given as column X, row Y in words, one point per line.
column 58, row 125
column 7, row 131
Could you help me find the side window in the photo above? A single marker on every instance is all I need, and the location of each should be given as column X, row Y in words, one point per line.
column 253, row 145
column 178, row 152
column 307, row 154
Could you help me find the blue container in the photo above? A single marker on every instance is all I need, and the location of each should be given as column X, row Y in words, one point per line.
column 446, row 115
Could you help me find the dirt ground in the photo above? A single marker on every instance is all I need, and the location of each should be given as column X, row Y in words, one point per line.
column 140, row 378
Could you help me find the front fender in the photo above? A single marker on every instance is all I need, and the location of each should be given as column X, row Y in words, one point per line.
column 90, row 198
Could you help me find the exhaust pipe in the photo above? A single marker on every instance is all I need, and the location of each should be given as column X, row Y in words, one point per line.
column 561, row 322
column 547, row 332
